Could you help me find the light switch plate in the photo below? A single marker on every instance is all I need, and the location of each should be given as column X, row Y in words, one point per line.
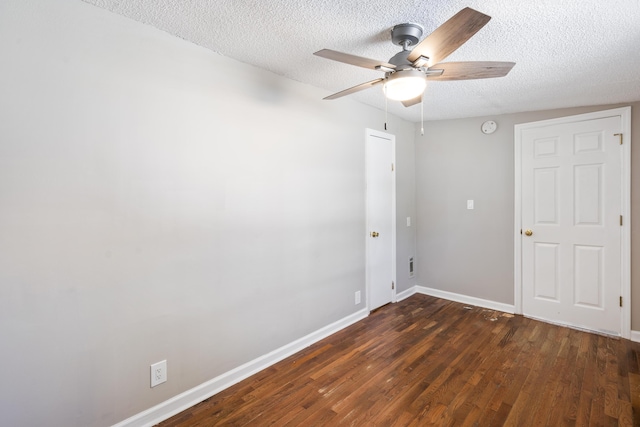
column 408, row 221
column 469, row 204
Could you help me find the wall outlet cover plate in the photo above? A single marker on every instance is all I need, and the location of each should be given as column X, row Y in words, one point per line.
column 158, row 373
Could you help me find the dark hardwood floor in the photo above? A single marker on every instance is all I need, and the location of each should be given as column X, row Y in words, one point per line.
column 428, row 361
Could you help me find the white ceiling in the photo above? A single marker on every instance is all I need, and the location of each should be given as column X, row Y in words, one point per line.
column 567, row 52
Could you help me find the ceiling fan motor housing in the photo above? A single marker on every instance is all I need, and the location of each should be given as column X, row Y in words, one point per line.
column 400, row 60
column 404, row 35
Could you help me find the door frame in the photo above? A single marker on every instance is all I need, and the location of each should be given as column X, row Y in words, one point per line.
column 625, row 115
column 392, row 139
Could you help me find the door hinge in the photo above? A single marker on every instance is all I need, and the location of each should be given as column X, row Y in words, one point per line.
column 392, row 167
column 393, row 285
column 618, row 135
column 620, row 301
column 620, row 220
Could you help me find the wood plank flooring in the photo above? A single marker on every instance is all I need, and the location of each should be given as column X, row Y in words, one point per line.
column 428, row 361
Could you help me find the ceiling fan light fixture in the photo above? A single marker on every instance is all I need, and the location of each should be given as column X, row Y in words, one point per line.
column 404, row 85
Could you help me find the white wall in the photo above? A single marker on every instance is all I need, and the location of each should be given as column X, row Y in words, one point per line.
column 470, row 252
column 160, row 201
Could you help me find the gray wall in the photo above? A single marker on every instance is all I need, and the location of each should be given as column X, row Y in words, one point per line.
column 470, row 252
column 160, row 201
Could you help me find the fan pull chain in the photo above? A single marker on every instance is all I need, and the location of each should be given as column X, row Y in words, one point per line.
column 386, row 102
column 422, row 116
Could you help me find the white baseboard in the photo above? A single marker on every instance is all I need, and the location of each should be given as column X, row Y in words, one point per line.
column 405, row 294
column 465, row 299
column 179, row 403
column 635, row 336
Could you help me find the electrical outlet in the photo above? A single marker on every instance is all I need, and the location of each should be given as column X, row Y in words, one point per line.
column 158, row 373
column 357, row 297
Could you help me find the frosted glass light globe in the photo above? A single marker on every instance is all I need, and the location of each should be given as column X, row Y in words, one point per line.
column 405, row 85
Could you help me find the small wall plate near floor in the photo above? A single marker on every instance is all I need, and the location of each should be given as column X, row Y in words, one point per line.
column 158, row 373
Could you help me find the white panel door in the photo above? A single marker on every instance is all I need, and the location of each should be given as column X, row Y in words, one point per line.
column 571, row 206
column 380, row 149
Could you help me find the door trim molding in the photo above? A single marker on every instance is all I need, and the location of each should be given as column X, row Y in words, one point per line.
column 625, row 114
column 392, row 140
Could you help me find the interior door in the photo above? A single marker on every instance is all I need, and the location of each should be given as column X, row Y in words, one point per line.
column 571, row 223
column 380, row 205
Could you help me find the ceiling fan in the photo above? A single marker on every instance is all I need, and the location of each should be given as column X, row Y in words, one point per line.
column 407, row 72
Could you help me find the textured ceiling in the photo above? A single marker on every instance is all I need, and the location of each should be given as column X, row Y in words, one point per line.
column 567, row 53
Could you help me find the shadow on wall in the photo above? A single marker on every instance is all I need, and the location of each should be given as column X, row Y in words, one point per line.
column 267, row 88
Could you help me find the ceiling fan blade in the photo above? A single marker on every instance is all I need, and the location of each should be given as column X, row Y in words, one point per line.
column 355, row 89
column 450, row 35
column 414, row 101
column 352, row 59
column 471, row 70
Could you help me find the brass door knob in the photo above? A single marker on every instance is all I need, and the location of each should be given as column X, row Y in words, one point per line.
column 374, row 234
column 528, row 232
